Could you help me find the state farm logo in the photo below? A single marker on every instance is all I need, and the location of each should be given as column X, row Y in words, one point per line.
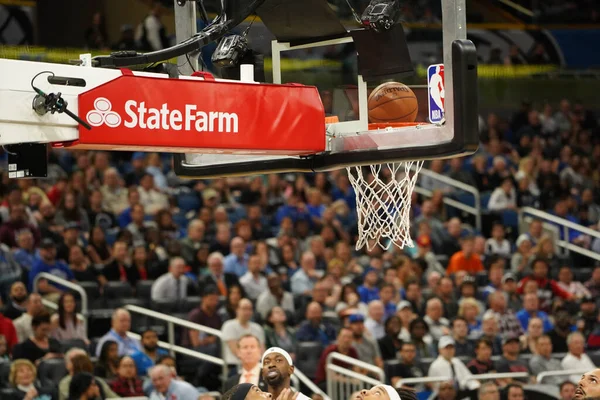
column 103, row 114
column 163, row 118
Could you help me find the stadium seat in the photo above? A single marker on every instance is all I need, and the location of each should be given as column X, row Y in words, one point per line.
column 69, row 344
column 188, row 201
column 164, row 306
column 52, row 370
column 123, row 301
column 93, row 293
column 9, row 393
column 510, row 219
column 99, row 322
column 4, row 372
column 113, row 290
column 308, row 355
column 190, row 302
column 143, row 289
column 595, row 357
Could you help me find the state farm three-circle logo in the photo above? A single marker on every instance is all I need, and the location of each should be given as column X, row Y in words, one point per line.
column 103, row 114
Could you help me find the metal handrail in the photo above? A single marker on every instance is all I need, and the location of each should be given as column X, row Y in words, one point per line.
column 540, row 377
column 428, row 379
column 476, row 211
column 479, row 377
column 355, row 362
column 309, row 384
column 65, row 283
column 354, row 375
column 174, row 320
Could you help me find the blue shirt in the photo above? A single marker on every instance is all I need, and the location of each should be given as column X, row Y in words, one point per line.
column 25, row 259
column 323, row 333
column 367, row 295
column 58, row 269
column 523, row 316
column 234, row 265
column 126, row 346
column 178, row 390
column 143, row 363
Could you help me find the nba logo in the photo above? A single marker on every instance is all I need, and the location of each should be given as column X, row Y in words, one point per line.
column 435, row 89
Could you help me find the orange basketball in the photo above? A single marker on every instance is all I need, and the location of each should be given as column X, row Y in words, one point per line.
column 392, row 102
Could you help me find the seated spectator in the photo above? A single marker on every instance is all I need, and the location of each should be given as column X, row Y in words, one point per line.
column 405, row 313
column 146, row 357
column 563, row 326
column 593, row 284
column 462, row 344
column 313, row 328
column 495, row 274
column 375, row 319
column 413, row 294
column 39, row 346
column 173, row 285
column 407, row 367
column 349, row 298
column 507, row 321
column 48, row 263
column 488, row 391
column 99, row 217
column 83, row 270
column 503, row 197
column 489, row 331
column 77, row 361
column 391, row 344
column 514, row 391
column 482, row 363
column 7, row 329
column 205, row 314
column 531, row 310
column 543, row 361
column 566, row 282
column 342, row 345
column 576, row 358
column 438, row 325
column 509, row 286
column 567, row 390
column 498, row 244
column 425, row 253
column 588, row 317
column 249, row 350
column 419, row 334
column 69, row 211
column 127, row 383
column 274, row 296
column 519, row 262
column 253, row 281
column 120, row 325
column 70, row 238
column 215, row 275
column 124, row 217
column 509, row 362
column 228, row 311
column 194, row 241
column 446, row 294
column 366, row 348
column 466, row 259
column 66, row 324
column 237, row 260
column 107, row 364
column 22, row 379
column 98, row 249
column 535, row 330
column 25, row 254
column 17, row 301
column 470, row 310
column 120, row 270
column 446, row 364
column 278, row 332
column 234, row 329
column 17, row 221
column 303, row 281
column 369, row 291
column 84, row 386
column 23, row 323
column 165, row 384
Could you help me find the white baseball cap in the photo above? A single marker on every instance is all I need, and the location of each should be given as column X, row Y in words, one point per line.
column 446, row 341
column 279, row 350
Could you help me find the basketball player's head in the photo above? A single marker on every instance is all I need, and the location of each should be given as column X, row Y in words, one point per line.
column 386, row 392
column 277, row 367
column 589, row 386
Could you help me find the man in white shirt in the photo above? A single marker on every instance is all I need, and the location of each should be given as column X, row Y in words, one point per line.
column 277, row 368
column 446, row 365
column 274, row 297
column 23, row 323
column 172, row 285
column 438, row 325
column 576, row 358
column 375, row 321
column 253, row 281
column 249, row 350
column 234, row 329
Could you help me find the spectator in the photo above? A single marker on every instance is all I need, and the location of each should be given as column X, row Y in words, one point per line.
column 69, row 211
column 466, row 259
column 96, row 36
column 164, row 383
column 565, row 282
column 108, row 360
column 216, row 277
column 509, row 362
column 66, row 324
column 531, row 310
column 507, row 321
column 151, row 198
column 23, row 323
column 151, row 33
column 343, row 345
column 567, row 390
column 519, row 262
column 237, row 261
column 503, row 197
column 229, row 309
column 488, row 391
column 438, row 325
column 303, row 281
column 127, row 383
column 253, row 281
column 515, row 391
column 489, row 331
column 39, row 346
column 593, row 284
column 172, row 286
column 278, row 333
column 543, row 361
column 97, row 215
column 139, row 225
column 391, row 343
column 22, row 378
column 462, row 344
column 120, row 325
column 366, row 348
column 194, row 240
column 120, row 269
column 576, row 358
column 535, row 330
column 588, row 316
column 407, row 366
column 234, row 329
column 17, row 302
column 114, row 196
column 274, row 296
column 498, row 244
column 17, row 222
column 482, row 363
column 205, row 314
column 313, row 328
column 98, row 249
column 249, row 351
column 82, row 270
column 445, row 293
column 26, row 253
column 419, row 334
column 7, row 329
column 562, row 328
column 48, row 264
column 446, row 364
column 369, row 291
column 375, row 319
column 145, row 358
column 495, row 275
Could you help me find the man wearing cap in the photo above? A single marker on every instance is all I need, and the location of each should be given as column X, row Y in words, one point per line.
column 48, row 263
column 277, row 368
column 495, row 274
column 509, row 287
column 367, row 349
column 70, row 238
column 448, row 365
column 510, row 362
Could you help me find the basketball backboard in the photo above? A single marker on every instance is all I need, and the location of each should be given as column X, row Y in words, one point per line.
column 446, row 131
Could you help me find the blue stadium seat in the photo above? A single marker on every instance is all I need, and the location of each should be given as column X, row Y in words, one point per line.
column 188, row 201
column 485, row 199
column 510, row 218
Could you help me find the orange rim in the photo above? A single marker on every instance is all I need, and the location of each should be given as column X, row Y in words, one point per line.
column 384, row 125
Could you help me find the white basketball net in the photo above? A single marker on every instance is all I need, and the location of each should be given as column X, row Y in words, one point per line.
column 383, row 197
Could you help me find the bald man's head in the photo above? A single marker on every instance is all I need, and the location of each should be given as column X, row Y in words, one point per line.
column 244, row 311
column 314, row 313
column 121, row 321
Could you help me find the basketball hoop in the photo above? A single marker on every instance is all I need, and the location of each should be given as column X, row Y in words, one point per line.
column 383, row 199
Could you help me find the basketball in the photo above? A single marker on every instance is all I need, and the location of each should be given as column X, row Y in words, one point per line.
column 392, row 102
